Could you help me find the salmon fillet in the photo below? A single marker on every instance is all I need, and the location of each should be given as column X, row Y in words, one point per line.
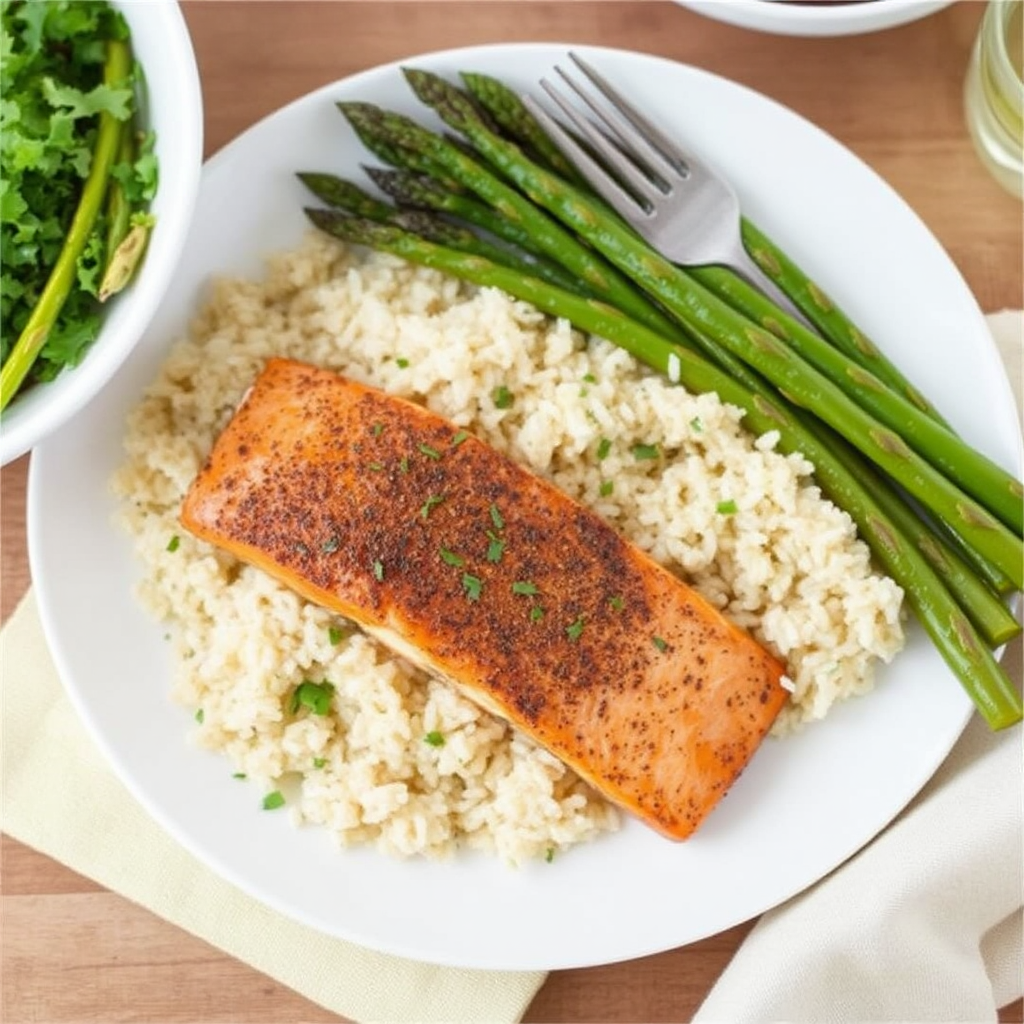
column 482, row 573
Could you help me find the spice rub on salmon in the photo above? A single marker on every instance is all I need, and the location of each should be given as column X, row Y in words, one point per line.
column 484, row 574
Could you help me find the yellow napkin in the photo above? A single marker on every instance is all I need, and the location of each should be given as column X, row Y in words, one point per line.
column 60, row 797
column 925, row 923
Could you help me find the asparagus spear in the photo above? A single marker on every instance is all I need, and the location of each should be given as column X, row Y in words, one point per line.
column 397, row 132
column 108, row 138
column 979, row 476
column 421, row 191
column 347, row 196
column 693, row 305
column 951, row 631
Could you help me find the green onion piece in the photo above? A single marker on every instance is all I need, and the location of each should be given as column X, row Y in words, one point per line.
column 200, row 715
column 495, row 548
column 174, row 543
column 239, row 775
column 590, row 378
column 431, row 453
column 536, row 613
column 726, row 508
column 659, row 643
column 431, row 503
column 403, row 464
column 319, row 762
column 273, row 800
column 644, row 452
column 330, row 545
column 376, row 466
column 378, row 570
column 503, row 398
column 696, row 424
column 549, row 854
column 401, row 362
column 616, row 603
column 606, row 488
column 335, row 635
column 525, row 587
column 314, row 696
column 450, row 558
column 459, row 437
column 575, row 629
column 473, row 586
column 377, row 429
column 496, row 518
column 603, row 449
column 434, row 738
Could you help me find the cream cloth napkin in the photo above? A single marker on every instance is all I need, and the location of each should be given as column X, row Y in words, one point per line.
column 925, row 923
column 911, row 929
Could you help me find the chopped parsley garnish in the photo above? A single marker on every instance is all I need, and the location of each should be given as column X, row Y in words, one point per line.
column 459, row 437
column 503, row 398
column 496, row 518
column 314, row 696
column 319, row 762
column 473, row 586
column 401, row 362
column 525, row 587
column 335, row 635
column 378, row 570
column 606, row 488
column 450, row 558
column 273, row 800
column 495, row 547
column 644, row 452
column 200, row 715
column 603, row 448
column 658, row 642
column 174, row 543
column 536, row 613
column 616, row 603
column 434, row 738
column 726, row 508
column 430, row 504
column 575, row 629
column 431, row 453
column 330, row 545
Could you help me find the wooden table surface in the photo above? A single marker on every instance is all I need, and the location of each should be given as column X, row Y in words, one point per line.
column 74, row 952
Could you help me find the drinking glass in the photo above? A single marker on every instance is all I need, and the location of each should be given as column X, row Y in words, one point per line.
column 994, row 93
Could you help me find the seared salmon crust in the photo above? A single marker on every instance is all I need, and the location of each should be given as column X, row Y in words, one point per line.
column 486, row 575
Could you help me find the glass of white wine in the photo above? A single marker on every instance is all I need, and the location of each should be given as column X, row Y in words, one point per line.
column 994, row 93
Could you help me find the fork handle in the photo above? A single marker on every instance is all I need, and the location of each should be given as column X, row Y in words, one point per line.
column 741, row 263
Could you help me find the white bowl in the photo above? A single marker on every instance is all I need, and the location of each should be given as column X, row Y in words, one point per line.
column 800, row 18
column 174, row 109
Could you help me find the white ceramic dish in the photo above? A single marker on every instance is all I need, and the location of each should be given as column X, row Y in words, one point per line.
column 802, row 18
column 174, row 109
column 802, row 807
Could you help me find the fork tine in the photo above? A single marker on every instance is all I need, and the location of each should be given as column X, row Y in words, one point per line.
column 628, row 171
column 652, row 135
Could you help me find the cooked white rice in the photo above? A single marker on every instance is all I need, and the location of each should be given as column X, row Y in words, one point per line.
column 402, row 760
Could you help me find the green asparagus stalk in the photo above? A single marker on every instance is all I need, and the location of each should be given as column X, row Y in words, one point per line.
column 826, row 316
column 952, row 632
column 40, row 322
column 423, row 192
column 401, row 133
column 693, row 305
column 973, row 472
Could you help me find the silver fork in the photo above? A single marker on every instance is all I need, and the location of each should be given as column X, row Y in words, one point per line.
column 678, row 204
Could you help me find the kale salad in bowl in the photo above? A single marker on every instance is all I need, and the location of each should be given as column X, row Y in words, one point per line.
column 101, row 117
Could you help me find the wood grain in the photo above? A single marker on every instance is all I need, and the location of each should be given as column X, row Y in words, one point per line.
column 73, row 953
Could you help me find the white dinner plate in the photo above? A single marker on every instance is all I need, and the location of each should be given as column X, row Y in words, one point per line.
column 804, row 804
